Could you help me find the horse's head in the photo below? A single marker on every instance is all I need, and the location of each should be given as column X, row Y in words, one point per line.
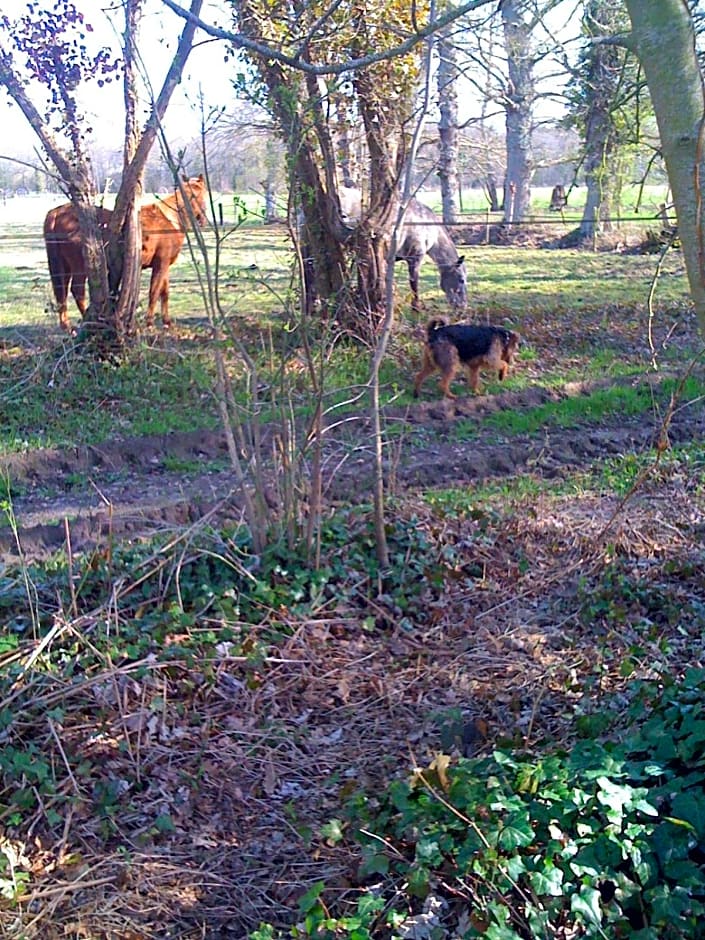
column 454, row 283
column 195, row 190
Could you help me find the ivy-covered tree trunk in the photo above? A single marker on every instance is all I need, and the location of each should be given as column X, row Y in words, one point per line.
column 519, row 103
column 662, row 36
column 600, row 81
column 345, row 266
column 386, row 144
column 308, row 146
column 323, row 232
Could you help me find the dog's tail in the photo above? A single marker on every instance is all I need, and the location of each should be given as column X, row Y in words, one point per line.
column 436, row 324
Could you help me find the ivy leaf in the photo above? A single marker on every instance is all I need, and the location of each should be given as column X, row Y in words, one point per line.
column 164, row 823
column 615, row 798
column 692, row 738
column 418, row 881
column 373, row 863
column 643, row 806
column 495, row 932
column 309, row 899
column 516, row 833
column 549, row 881
column 690, row 807
column 332, row 831
column 586, row 905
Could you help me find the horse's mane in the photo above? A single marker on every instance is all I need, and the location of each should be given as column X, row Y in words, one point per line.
column 193, row 189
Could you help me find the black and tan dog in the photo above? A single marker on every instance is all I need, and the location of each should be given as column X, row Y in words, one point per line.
column 449, row 347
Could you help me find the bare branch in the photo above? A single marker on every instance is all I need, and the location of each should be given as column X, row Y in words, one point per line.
column 619, row 39
column 296, row 62
column 16, row 89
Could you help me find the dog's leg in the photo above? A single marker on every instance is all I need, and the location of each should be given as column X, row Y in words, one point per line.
column 447, row 361
column 448, row 375
column 428, row 367
column 474, row 376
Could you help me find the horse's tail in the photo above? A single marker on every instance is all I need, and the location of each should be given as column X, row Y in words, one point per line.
column 53, row 240
column 436, row 324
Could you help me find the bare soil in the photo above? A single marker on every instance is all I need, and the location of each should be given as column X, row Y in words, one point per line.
column 122, row 488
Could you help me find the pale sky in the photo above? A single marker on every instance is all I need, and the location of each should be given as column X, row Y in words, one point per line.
column 160, row 28
column 159, row 31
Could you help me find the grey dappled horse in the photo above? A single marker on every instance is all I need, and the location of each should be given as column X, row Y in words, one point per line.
column 421, row 233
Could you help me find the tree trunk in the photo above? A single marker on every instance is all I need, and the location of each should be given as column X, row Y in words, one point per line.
column 322, row 232
column 600, row 145
column 662, row 34
column 519, row 102
column 123, row 252
column 448, row 128
column 336, row 260
column 386, row 146
column 270, row 199
column 601, row 85
column 346, row 157
column 113, row 324
column 371, row 251
column 490, row 188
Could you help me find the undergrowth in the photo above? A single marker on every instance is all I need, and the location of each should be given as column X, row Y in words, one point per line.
column 219, row 578
column 604, row 840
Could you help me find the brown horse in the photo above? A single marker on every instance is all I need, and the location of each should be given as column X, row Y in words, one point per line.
column 164, row 225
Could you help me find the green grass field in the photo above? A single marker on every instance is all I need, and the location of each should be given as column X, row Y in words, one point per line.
column 581, row 312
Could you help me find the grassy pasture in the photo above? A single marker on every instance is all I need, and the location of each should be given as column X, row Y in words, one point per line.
column 560, row 300
column 199, row 742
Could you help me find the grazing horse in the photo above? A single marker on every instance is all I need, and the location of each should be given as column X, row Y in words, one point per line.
column 164, row 225
column 421, row 233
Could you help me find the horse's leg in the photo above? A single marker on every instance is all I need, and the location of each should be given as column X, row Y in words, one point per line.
column 60, row 282
column 61, row 292
column 164, row 297
column 61, row 285
column 414, row 264
column 78, row 289
column 155, row 289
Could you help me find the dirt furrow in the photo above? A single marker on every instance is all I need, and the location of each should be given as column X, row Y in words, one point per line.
column 124, row 489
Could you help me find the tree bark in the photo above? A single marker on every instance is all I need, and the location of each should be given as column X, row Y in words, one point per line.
column 386, row 143
column 124, row 244
column 448, row 128
column 601, row 83
column 519, row 102
column 663, row 38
